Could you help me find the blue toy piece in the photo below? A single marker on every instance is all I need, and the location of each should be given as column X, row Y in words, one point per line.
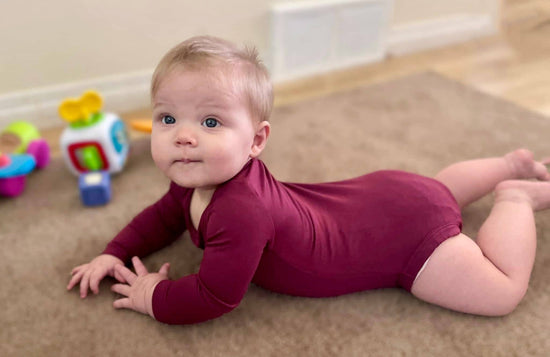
column 95, row 188
column 13, row 173
column 21, row 164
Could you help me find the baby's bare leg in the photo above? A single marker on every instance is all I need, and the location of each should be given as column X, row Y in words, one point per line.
column 490, row 277
column 471, row 180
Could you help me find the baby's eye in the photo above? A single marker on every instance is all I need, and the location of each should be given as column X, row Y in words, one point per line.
column 211, row 123
column 168, row 119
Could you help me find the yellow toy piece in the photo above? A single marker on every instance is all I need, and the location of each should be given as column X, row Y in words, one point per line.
column 145, row 125
column 81, row 109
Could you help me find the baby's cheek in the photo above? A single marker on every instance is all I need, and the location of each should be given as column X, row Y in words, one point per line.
column 158, row 158
column 156, row 149
column 155, row 156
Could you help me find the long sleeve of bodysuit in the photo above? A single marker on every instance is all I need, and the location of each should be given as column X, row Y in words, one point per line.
column 154, row 228
column 234, row 241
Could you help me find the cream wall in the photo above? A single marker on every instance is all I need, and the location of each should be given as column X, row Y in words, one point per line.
column 56, row 41
column 411, row 11
column 49, row 48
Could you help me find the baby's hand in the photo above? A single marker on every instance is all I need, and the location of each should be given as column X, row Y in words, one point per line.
column 138, row 289
column 89, row 275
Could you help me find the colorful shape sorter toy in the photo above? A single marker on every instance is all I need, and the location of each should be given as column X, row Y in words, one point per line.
column 93, row 141
column 94, row 145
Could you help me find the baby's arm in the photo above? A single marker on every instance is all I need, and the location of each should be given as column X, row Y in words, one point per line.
column 234, row 242
column 89, row 275
column 155, row 227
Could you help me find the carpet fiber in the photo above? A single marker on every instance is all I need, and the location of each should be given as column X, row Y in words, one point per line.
column 419, row 123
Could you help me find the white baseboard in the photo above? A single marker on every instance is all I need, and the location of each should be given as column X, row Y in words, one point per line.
column 329, row 67
column 40, row 106
column 436, row 33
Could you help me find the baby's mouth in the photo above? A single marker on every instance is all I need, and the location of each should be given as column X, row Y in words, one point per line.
column 187, row 161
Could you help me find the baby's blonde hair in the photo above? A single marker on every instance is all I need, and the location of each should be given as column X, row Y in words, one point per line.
column 249, row 76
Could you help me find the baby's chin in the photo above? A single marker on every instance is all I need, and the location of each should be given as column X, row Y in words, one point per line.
column 197, row 179
column 191, row 184
column 182, row 183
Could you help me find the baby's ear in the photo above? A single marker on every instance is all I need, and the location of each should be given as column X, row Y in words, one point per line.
column 260, row 139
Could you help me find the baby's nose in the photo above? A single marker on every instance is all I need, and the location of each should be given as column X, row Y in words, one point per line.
column 186, row 136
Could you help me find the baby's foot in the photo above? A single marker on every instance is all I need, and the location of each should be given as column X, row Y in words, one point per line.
column 523, row 166
column 537, row 194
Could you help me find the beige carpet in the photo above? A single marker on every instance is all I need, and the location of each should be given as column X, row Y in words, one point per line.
column 419, row 123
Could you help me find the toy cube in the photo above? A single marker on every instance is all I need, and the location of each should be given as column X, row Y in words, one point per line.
column 95, row 188
column 99, row 145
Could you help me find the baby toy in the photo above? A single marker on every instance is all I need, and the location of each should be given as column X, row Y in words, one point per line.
column 95, row 188
column 144, row 125
column 93, row 141
column 21, row 151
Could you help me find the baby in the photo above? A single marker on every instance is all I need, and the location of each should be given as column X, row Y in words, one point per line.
column 211, row 103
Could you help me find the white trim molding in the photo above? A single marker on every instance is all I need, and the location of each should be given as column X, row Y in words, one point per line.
column 39, row 106
column 424, row 35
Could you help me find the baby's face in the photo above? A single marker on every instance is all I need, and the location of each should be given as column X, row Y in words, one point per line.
column 202, row 131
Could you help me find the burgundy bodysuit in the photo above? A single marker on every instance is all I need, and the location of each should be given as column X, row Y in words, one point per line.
column 316, row 240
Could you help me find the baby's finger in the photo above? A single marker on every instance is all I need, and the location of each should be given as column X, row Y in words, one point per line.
column 74, row 280
column 541, row 172
column 123, row 303
column 119, row 277
column 164, row 269
column 122, row 289
column 84, row 284
column 76, row 269
column 95, row 278
column 126, row 274
column 139, row 267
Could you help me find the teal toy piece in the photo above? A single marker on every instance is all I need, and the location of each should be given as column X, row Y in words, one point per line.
column 18, row 165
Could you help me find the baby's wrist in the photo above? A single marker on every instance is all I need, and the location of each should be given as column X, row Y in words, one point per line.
column 149, row 303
